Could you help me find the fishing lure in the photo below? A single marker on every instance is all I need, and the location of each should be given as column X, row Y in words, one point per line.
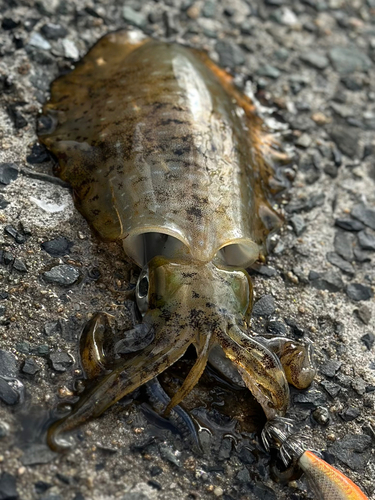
column 164, row 154
column 327, row 482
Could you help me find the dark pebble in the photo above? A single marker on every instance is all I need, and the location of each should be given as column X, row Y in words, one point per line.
column 310, row 399
column 17, row 236
column 2, row 310
column 57, row 247
column 263, row 270
column 23, row 347
column 330, row 368
column 230, row 55
column 41, row 487
column 52, row 328
column 349, row 224
column 8, row 364
column 3, row 202
column 347, row 60
column 225, row 450
column 366, row 240
column 331, row 170
column 350, row 414
column 298, row 224
column 9, row 24
column 296, row 330
column 53, row 31
column 209, row 8
column 321, row 415
column 368, row 339
column 19, row 121
column 63, row 275
column 353, row 450
column 346, row 140
column 243, row 476
column 364, row 314
column 39, row 154
column 41, row 350
column 155, row 470
column 154, row 484
column 30, row 367
column 339, row 262
column 364, row 214
column 60, row 361
column 171, row 23
column 352, row 83
column 7, row 393
column 343, row 243
column 8, row 173
column 330, row 281
column 306, row 204
column 78, row 496
column 265, row 306
column 37, row 454
column 361, row 255
column 19, row 266
column 331, row 388
column 263, row 492
column 276, row 328
column 357, row 291
column 8, row 487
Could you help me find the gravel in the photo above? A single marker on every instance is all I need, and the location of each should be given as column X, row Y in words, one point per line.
column 311, row 67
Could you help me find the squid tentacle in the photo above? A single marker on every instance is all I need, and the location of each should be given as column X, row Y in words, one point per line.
column 122, row 380
column 260, row 369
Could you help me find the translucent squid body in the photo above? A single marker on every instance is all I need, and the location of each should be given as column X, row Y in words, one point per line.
column 164, row 154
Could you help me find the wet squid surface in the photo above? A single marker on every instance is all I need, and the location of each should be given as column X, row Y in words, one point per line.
column 164, row 154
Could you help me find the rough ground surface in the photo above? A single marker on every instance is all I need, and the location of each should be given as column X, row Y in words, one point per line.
column 312, row 63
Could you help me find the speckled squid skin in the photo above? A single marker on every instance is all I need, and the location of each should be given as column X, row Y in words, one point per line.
column 165, row 154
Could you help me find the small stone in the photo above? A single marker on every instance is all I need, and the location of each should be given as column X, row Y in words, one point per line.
column 343, row 243
column 230, row 55
column 285, row 16
column 330, row 281
column 70, row 49
column 332, row 389
column 265, row 306
column 303, row 141
column 19, row 121
column 306, row 204
column 63, row 275
column 39, row 154
column 9, row 24
column 53, row 31
column 263, row 270
column 172, row 25
column 8, row 487
column 350, row 414
column 3, row 202
column 19, row 266
column 276, row 328
column 268, row 71
column 321, row 415
column 52, row 328
column 12, row 231
column 243, row 476
column 209, row 8
column 366, row 240
column 166, row 453
column 342, row 264
column 8, row 173
column 60, row 361
column 225, row 450
column 368, row 339
column 4, row 295
column 364, row 314
column 30, row 367
column 4, row 430
column 310, row 399
column 57, row 247
column 331, row 170
column 346, row 140
column 7, row 393
column 38, row 454
column 349, row 224
column 133, row 17
column 37, row 41
column 353, row 450
column 318, row 61
column 347, row 60
column 330, row 368
column 362, row 255
column 8, row 364
column 357, row 292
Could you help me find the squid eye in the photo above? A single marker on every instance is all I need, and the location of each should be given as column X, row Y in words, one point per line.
column 141, row 291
